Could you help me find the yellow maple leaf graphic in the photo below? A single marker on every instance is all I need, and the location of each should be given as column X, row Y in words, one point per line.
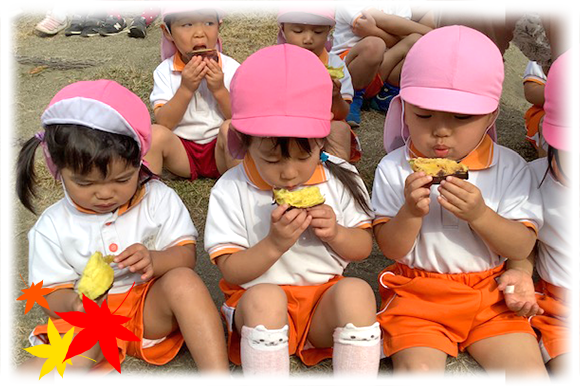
column 54, row 352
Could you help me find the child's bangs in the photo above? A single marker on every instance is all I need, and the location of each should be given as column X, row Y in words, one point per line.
column 284, row 144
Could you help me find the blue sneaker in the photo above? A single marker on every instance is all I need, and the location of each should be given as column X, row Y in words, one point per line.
column 382, row 100
column 353, row 117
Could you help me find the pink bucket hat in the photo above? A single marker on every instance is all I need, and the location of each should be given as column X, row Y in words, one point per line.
column 168, row 49
column 305, row 15
column 454, row 69
column 101, row 105
column 280, row 91
column 556, row 127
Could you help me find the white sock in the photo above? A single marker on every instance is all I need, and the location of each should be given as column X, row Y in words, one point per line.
column 357, row 350
column 265, row 352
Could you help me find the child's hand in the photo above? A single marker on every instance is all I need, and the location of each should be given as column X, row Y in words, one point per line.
column 523, row 299
column 193, row 73
column 461, row 198
column 138, row 259
column 214, row 76
column 336, row 87
column 417, row 195
column 323, row 222
column 287, row 226
column 365, row 25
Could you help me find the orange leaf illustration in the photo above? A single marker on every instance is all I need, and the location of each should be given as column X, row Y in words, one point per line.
column 35, row 294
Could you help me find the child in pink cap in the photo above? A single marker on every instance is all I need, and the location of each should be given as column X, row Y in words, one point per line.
column 373, row 41
column 449, row 241
column 311, row 29
column 283, row 266
column 190, row 97
column 96, row 135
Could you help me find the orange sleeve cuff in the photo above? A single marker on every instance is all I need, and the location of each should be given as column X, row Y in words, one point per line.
column 531, row 225
column 381, row 220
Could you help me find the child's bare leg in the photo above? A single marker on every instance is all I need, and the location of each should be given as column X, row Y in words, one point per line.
column 566, row 368
column 338, row 141
column 419, row 360
column 364, row 59
column 28, row 372
column 516, row 354
column 180, row 300
column 223, row 157
column 167, row 151
column 390, row 68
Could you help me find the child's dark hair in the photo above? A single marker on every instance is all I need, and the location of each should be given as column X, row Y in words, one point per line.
column 347, row 177
column 169, row 19
column 75, row 147
column 553, row 155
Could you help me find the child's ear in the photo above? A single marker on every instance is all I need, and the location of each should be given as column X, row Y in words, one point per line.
column 166, row 32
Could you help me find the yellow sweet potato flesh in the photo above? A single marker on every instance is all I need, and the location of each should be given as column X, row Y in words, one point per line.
column 302, row 198
column 335, row 72
column 437, row 167
column 97, row 276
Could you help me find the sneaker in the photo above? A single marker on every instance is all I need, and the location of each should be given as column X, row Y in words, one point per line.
column 138, row 28
column 112, row 26
column 50, row 25
column 353, row 117
column 382, row 100
column 8, row 14
column 91, row 26
column 76, row 26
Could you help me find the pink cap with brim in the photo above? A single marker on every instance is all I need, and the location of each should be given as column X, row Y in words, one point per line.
column 280, row 91
column 101, row 105
column 556, row 127
column 453, row 69
column 168, row 49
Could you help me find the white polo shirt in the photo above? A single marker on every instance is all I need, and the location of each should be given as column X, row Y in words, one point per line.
column 238, row 217
column 65, row 235
column 203, row 118
column 347, row 14
column 346, row 89
column 554, row 259
column 445, row 243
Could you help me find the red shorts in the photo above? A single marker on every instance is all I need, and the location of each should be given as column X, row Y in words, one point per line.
column 201, row 159
column 442, row 311
column 159, row 354
column 302, row 302
column 372, row 88
column 553, row 323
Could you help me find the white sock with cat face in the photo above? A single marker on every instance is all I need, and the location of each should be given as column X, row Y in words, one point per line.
column 265, row 352
column 357, row 350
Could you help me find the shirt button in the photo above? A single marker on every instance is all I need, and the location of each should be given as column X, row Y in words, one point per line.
column 113, row 247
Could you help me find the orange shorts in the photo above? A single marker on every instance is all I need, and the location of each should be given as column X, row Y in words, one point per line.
column 158, row 354
column 302, row 302
column 553, row 323
column 442, row 311
column 532, row 118
column 372, row 88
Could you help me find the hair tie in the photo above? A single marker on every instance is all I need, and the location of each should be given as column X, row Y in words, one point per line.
column 39, row 136
column 323, row 156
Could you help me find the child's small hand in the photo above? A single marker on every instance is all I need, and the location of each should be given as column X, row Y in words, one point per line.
column 287, row 226
column 193, row 73
column 364, row 25
column 523, row 299
column 323, row 222
column 214, row 76
column 336, row 87
column 138, row 259
column 417, row 195
column 461, row 198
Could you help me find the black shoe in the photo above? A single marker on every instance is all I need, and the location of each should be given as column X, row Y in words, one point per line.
column 91, row 27
column 112, row 26
column 138, row 28
column 76, row 26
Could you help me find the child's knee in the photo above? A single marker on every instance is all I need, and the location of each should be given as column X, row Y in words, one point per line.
column 372, row 49
column 182, row 284
column 265, row 304
column 354, row 291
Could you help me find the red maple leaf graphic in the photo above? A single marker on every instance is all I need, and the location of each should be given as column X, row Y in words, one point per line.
column 35, row 294
column 98, row 325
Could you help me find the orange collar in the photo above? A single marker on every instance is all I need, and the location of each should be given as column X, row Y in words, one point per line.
column 479, row 159
column 324, row 57
column 178, row 64
column 137, row 197
column 254, row 177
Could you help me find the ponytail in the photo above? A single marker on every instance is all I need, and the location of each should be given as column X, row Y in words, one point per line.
column 353, row 183
column 25, row 175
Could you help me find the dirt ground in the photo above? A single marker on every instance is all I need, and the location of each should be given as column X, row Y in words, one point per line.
column 43, row 65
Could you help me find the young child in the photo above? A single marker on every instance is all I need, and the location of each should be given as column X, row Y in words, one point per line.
column 373, row 42
column 190, row 97
column 96, row 134
column 310, row 29
column 449, row 241
column 534, row 84
column 558, row 259
column 282, row 267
